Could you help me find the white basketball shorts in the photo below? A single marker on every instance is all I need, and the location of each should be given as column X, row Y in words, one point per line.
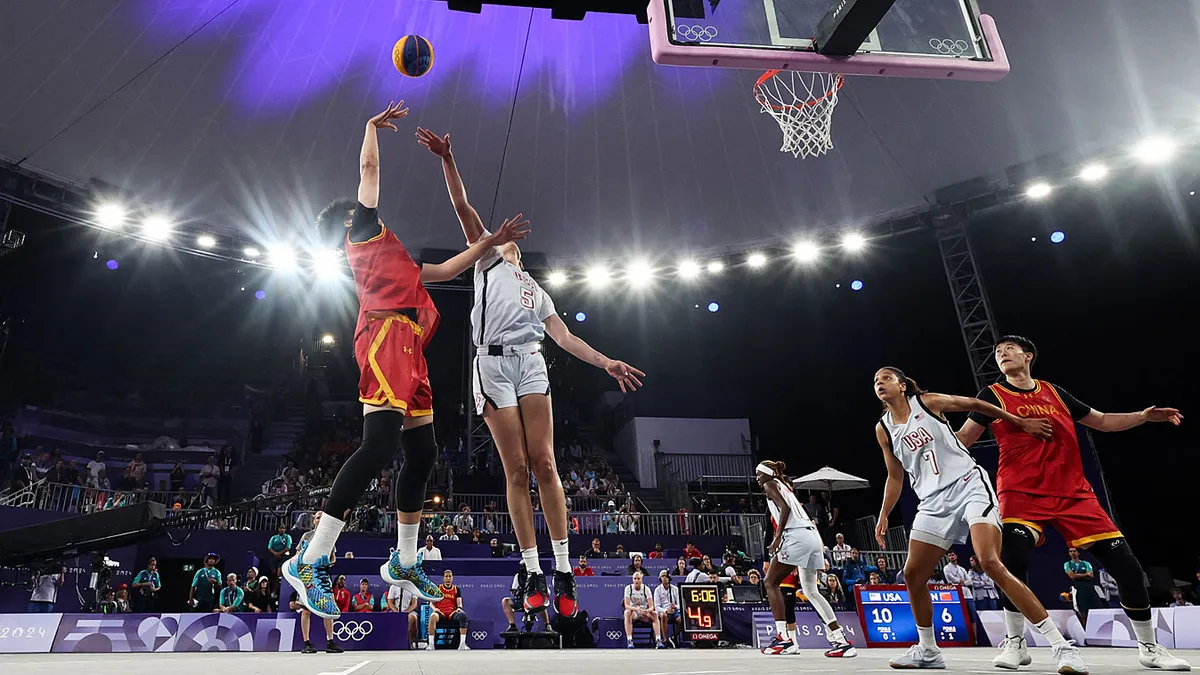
column 946, row 518
column 502, row 380
column 802, row 548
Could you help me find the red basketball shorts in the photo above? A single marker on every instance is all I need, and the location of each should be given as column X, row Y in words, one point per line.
column 1080, row 520
column 392, row 365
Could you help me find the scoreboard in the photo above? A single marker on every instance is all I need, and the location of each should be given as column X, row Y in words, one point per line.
column 887, row 618
column 701, row 611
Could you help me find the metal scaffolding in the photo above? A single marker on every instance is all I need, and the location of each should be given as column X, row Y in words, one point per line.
column 968, row 292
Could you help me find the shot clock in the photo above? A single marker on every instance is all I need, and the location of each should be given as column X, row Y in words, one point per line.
column 701, row 611
column 887, row 618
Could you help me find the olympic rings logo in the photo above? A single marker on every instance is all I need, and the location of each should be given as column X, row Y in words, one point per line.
column 352, row 630
column 947, row 46
column 696, row 33
column 614, row 634
column 479, row 635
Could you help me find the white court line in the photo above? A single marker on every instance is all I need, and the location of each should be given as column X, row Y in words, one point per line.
column 347, row 671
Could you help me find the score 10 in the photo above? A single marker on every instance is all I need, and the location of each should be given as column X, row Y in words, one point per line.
column 887, row 617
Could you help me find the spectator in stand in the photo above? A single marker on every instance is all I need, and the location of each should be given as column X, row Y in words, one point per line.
column 279, row 549
column 488, row 521
column 146, row 586
column 94, row 469
column 609, row 519
column 251, row 578
column 680, row 569
column 620, row 552
column 232, row 596
column 594, row 551
column 841, row 550
column 627, row 520
column 206, row 584
column 364, row 601
column 464, row 522
column 882, row 568
column 583, row 569
column 400, row 600
column 666, row 602
column 698, row 575
column 657, row 553
column 449, row 608
column 43, row 465
column 690, row 551
column 102, row 482
column 341, row 594
column 955, row 574
column 210, row 474
column 817, row 511
column 137, row 471
column 227, row 463
column 258, row 595
column 1177, row 599
column 24, row 474
column 45, row 591
column 639, row 606
column 122, row 599
column 497, row 548
column 834, row 593
column 178, row 475
column 429, row 551
column 982, row 587
column 755, row 579
column 874, row 579
column 635, row 565
column 450, row 534
column 58, row 473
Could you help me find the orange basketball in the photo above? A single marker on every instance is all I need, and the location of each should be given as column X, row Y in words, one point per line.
column 413, row 55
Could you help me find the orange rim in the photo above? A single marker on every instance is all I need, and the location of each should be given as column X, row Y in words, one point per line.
column 838, row 81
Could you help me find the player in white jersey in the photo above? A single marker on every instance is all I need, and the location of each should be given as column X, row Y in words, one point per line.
column 796, row 546
column 511, row 316
column 956, row 499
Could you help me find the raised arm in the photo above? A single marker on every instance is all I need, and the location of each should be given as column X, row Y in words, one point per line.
column 893, row 486
column 514, row 229
column 625, row 374
column 368, row 158
column 468, row 217
column 940, row 403
column 1122, row 421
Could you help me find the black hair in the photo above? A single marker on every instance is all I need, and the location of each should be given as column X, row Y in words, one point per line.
column 913, row 388
column 1023, row 342
column 331, row 221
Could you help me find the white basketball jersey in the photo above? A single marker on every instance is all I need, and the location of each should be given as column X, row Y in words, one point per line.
column 798, row 520
column 927, row 447
column 509, row 304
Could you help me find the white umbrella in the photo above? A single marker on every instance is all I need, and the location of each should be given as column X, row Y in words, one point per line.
column 829, row 479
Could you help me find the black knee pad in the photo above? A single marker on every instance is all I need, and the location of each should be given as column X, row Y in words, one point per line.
column 380, row 441
column 1016, row 550
column 420, row 454
column 1117, row 557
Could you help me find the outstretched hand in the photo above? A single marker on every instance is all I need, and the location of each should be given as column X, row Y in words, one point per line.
column 1156, row 414
column 384, row 119
column 431, row 141
column 625, row 375
column 513, row 229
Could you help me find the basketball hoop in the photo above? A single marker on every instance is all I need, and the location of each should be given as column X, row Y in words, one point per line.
column 802, row 103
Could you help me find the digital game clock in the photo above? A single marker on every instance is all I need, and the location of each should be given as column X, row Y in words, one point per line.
column 701, row 611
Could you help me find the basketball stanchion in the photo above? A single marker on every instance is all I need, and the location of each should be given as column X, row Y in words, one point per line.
column 803, row 104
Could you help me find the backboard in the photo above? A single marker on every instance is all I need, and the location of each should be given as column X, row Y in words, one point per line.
column 916, row 38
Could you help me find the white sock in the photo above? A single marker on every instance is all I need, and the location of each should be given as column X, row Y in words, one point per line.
column 406, row 543
column 1144, row 631
column 323, row 539
column 781, row 628
column 530, row 557
column 1014, row 624
column 1047, row 628
column 926, row 639
column 835, row 635
column 562, row 559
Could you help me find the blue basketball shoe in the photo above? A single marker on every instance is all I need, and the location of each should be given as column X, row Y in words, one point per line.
column 411, row 578
column 311, row 583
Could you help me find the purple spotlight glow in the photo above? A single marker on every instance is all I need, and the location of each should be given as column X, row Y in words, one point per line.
column 112, row 264
column 260, row 294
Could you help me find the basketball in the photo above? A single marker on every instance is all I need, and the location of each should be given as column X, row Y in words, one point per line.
column 412, row 55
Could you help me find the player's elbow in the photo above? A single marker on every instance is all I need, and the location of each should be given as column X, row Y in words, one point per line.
column 368, row 165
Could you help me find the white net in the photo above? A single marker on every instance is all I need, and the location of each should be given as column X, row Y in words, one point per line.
column 802, row 103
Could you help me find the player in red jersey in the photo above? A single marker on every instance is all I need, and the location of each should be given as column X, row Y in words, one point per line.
column 1041, row 483
column 396, row 320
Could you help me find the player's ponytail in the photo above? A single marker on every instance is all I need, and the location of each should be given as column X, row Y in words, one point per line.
column 913, row 389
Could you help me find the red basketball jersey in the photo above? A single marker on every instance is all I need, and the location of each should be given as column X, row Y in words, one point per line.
column 1031, row 465
column 386, row 278
column 449, row 602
